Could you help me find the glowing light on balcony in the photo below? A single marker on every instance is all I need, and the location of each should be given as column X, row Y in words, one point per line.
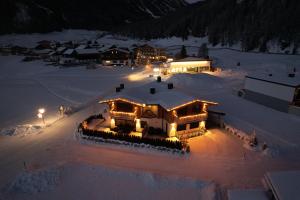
column 202, row 125
column 138, row 127
column 112, row 123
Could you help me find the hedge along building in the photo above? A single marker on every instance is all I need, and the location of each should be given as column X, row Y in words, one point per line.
column 189, row 65
column 158, row 105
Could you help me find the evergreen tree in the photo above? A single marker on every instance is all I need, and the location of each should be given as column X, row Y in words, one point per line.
column 183, row 53
column 203, row 51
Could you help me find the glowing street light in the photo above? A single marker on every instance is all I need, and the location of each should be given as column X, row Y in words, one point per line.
column 41, row 111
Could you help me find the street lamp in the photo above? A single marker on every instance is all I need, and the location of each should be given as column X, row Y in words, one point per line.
column 41, row 111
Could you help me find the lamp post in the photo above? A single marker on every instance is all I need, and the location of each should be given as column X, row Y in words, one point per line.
column 40, row 115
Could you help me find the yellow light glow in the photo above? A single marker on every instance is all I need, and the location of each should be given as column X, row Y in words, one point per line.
column 196, row 100
column 135, row 77
column 173, row 130
column 174, row 108
column 42, row 110
column 40, row 115
column 123, row 113
column 112, row 123
column 192, row 116
column 138, row 127
column 121, row 99
column 202, row 125
column 190, row 63
column 156, row 69
column 205, row 107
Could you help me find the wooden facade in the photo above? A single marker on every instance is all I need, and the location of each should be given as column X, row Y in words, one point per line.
column 116, row 56
column 182, row 122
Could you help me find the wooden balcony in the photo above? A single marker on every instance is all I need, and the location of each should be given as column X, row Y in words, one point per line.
column 123, row 115
column 191, row 118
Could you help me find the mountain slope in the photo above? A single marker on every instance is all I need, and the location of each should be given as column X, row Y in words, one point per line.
column 44, row 16
column 254, row 23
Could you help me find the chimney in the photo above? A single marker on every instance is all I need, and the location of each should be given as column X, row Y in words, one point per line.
column 152, row 90
column 122, row 86
column 158, row 79
column 291, row 75
column 170, row 86
column 118, row 89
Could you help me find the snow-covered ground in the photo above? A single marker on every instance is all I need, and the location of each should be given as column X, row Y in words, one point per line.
column 92, row 182
column 217, row 156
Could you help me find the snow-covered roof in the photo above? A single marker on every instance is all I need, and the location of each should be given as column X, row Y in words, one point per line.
column 82, row 46
column 87, row 51
column 60, row 49
column 69, row 51
column 189, row 59
column 118, row 49
column 43, row 51
column 247, row 194
column 167, row 98
column 277, row 78
column 285, row 185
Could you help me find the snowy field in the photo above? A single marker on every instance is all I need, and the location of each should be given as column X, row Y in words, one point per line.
column 217, row 156
column 96, row 182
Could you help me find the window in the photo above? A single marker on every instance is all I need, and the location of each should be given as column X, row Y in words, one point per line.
column 181, row 127
column 194, row 125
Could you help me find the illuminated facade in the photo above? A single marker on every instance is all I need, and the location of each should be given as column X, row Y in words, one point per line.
column 146, row 54
column 189, row 65
column 182, row 119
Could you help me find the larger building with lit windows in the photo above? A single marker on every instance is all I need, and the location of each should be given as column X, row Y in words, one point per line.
column 146, row 54
column 189, row 65
column 158, row 105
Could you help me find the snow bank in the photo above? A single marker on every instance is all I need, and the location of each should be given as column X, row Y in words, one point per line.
column 21, row 130
column 83, row 181
column 35, row 182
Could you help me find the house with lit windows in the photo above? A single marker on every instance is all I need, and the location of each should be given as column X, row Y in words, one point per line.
column 189, row 65
column 158, row 105
column 115, row 56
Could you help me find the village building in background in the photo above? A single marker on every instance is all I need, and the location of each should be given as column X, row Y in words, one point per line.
column 278, row 91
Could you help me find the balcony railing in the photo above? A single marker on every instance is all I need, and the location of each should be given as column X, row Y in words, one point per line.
column 191, row 118
column 123, row 115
